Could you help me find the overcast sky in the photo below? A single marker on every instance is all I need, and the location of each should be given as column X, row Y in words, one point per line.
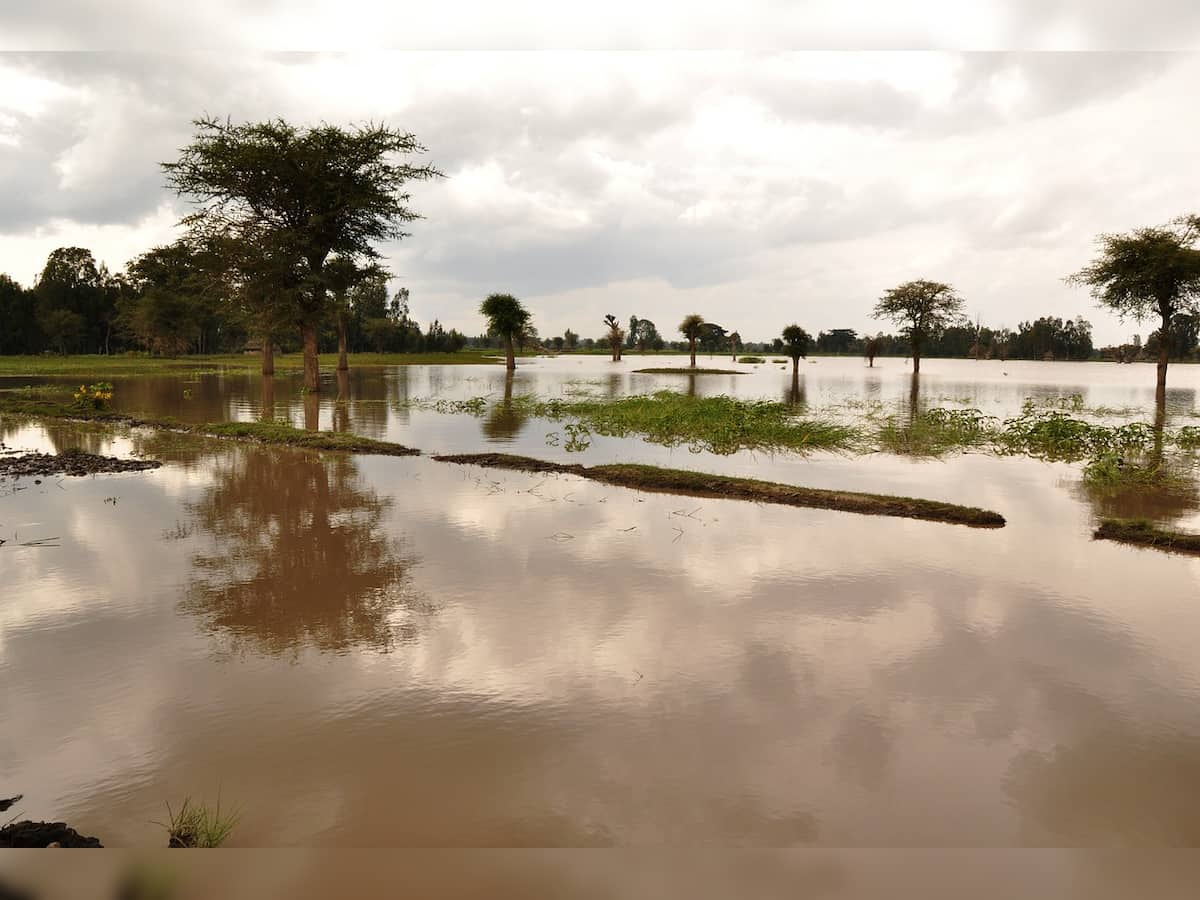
column 757, row 187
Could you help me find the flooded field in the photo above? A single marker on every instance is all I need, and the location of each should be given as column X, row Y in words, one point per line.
column 370, row 651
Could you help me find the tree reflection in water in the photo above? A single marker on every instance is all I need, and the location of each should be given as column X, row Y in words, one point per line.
column 301, row 557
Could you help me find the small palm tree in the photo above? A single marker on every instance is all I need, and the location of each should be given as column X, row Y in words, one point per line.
column 795, row 344
column 508, row 319
column 690, row 329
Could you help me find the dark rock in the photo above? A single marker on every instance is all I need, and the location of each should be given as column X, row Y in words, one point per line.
column 42, row 834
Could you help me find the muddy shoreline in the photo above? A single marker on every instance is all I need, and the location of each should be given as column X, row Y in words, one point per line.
column 75, row 463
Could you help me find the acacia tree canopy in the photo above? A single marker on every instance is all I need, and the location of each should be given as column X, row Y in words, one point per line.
column 922, row 309
column 308, row 192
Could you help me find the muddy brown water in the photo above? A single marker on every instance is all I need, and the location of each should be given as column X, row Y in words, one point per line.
column 367, row 651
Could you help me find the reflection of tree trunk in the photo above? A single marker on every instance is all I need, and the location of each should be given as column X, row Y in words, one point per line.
column 341, row 410
column 343, row 364
column 796, row 397
column 510, row 355
column 691, row 391
column 1160, row 421
column 268, row 355
column 913, row 393
column 312, row 365
column 267, row 413
column 312, row 412
column 1164, row 354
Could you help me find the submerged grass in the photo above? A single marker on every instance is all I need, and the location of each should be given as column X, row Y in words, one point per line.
column 701, row 484
column 714, row 424
column 195, row 825
column 682, row 370
column 1144, row 533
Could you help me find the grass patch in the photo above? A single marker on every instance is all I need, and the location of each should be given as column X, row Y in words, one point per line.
column 686, row 371
column 714, row 424
column 700, row 484
column 194, row 825
column 935, row 432
column 751, row 360
column 96, row 367
column 1144, row 533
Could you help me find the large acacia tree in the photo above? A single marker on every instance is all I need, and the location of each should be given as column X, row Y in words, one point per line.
column 923, row 310
column 314, row 193
column 1151, row 272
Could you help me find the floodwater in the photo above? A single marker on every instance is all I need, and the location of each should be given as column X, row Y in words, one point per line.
column 365, row 651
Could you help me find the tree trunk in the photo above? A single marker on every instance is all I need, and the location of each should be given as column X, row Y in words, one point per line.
column 795, row 367
column 312, row 365
column 692, row 347
column 510, row 355
column 916, row 355
column 268, row 355
column 343, row 364
column 267, row 414
column 1164, row 354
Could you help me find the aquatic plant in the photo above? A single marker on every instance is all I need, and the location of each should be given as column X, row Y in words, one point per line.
column 94, row 396
column 719, row 424
column 195, row 825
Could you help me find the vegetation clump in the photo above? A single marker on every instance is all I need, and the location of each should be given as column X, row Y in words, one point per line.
column 1144, row 533
column 94, row 396
column 195, row 825
column 666, row 370
column 719, row 424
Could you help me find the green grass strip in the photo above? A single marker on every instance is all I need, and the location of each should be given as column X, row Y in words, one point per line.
column 700, row 484
column 1143, row 533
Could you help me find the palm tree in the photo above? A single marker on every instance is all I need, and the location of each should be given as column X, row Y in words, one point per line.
column 796, row 341
column 735, row 342
column 690, row 329
column 508, row 319
column 616, row 337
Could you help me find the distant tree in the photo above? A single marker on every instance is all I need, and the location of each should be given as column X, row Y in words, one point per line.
column 170, row 287
column 712, row 337
column 311, row 193
column 71, row 301
column 632, row 335
column 795, row 344
column 922, row 309
column 615, row 336
column 871, row 350
column 1150, row 272
column 647, row 336
column 19, row 332
column 507, row 319
column 836, row 340
column 690, row 328
column 570, row 339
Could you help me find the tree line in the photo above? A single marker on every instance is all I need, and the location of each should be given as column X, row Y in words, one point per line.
column 281, row 248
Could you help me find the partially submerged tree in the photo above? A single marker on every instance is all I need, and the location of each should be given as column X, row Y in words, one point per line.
column 616, row 336
column 690, row 328
column 735, row 344
column 922, row 309
column 871, row 350
column 795, row 344
column 1150, row 272
column 314, row 192
column 507, row 319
